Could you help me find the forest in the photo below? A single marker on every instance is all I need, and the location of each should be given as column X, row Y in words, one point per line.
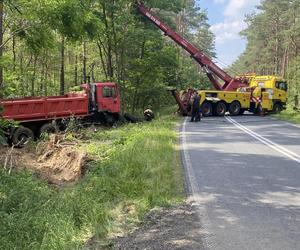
column 48, row 47
column 273, row 37
column 119, row 175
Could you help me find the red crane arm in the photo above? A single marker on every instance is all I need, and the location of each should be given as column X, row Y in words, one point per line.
column 211, row 68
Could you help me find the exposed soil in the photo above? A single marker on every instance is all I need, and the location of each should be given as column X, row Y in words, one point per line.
column 164, row 229
column 174, row 228
column 56, row 160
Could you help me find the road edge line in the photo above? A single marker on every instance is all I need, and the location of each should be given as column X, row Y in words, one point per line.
column 193, row 189
column 269, row 143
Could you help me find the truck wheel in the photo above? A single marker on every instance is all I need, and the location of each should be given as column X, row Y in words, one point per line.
column 48, row 128
column 22, row 136
column 277, row 108
column 220, row 109
column 242, row 111
column 206, row 109
column 235, row 108
column 109, row 120
column 131, row 118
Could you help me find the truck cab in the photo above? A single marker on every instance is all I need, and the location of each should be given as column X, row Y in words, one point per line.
column 103, row 97
column 276, row 87
column 108, row 97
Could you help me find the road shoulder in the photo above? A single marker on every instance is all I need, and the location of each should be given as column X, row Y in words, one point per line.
column 166, row 228
column 176, row 227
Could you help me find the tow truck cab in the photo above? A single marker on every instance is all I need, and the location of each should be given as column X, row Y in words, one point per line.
column 276, row 88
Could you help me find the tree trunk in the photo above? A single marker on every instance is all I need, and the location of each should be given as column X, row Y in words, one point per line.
column 1, row 48
column 102, row 59
column 22, row 73
column 76, row 71
column 62, row 69
column 41, row 87
column 84, row 62
column 136, row 98
column 33, row 77
column 284, row 62
column 93, row 72
column 14, row 52
column 108, row 32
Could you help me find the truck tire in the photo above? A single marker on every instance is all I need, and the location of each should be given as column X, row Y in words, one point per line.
column 235, row 108
column 277, row 108
column 22, row 136
column 206, row 109
column 131, row 118
column 242, row 111
column 48, row 128
column 109, row 120
column 220, row 109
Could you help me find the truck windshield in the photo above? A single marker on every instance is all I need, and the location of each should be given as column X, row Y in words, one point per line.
column 109, row 92
column 282, row 85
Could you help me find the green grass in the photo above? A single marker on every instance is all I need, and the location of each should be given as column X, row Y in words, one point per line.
column 290, row 115
column 137, row 172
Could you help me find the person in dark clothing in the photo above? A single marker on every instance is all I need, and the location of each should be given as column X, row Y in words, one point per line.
column 196, row 116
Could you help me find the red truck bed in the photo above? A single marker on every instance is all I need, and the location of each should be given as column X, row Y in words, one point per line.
column 45, row 108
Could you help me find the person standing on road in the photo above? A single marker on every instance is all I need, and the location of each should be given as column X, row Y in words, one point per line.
column 196, row 109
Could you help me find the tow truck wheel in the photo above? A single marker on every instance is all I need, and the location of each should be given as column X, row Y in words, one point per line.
column 220, row 109
column 206, row 109
column 242, row 111
column 235, row 108
column 22, row 136
column 277, row 108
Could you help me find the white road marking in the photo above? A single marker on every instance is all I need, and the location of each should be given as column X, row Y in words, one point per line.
column 187, row 162
column 266, row 141
column 195, row 195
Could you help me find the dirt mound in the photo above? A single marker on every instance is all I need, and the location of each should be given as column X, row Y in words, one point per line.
column 60, row 161
column 56, row 160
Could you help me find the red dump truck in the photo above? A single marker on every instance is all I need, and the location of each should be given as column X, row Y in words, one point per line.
column 97, row 102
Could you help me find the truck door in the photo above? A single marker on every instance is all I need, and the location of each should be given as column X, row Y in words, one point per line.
column 108, row 98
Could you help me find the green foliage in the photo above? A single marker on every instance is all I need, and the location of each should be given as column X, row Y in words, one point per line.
column 193, row 25
column 293, row 76
column 3, row 126
column 120, row 45
column 172, row 5
column 290, row 114
column 128, row 178
column 273, row 42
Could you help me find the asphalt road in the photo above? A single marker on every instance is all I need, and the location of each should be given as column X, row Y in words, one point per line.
column 243, row 174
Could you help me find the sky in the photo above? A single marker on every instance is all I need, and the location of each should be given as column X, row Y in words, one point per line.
column 226, row 18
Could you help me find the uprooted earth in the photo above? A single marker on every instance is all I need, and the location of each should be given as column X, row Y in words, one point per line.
column 56, row 160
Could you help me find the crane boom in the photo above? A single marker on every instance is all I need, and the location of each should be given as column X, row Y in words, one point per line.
column 213, row 70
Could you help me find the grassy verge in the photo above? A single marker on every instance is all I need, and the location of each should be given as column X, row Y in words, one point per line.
column 290, row 115
column 136, row 173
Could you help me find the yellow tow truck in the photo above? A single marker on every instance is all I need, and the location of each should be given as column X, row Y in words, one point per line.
column 234, row 94
column 264, row 94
